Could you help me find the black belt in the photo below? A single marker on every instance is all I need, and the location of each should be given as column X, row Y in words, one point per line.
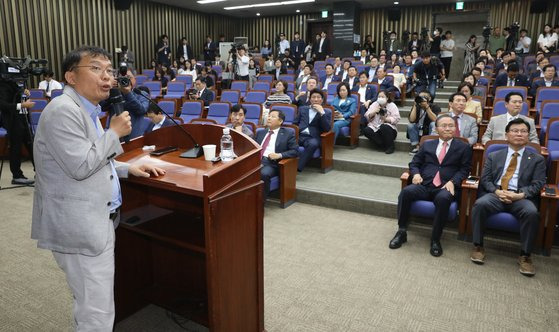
column 115, row 214
column 514, row 191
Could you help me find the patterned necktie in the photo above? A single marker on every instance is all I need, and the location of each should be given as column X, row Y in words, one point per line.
column 510, row 172
column 437, row 180
column 265, row 143
column 456, row 126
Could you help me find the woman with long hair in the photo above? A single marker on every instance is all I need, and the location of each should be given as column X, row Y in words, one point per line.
column 547, row 41
column 344, row 107
column 470, row 54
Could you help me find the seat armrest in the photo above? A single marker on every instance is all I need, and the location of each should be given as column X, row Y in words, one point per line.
column 405, row 178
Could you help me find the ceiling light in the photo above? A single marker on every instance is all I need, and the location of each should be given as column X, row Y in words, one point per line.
column 269, row 4
column 257, row 14
column 396, row 3
column 203, row 2
column 298, row 11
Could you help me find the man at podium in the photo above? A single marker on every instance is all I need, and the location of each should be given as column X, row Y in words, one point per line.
column 77, row 199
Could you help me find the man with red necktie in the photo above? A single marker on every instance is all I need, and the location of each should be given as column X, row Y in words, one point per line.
column 437, row 170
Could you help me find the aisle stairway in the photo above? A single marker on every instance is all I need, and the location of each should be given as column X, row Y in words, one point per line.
column 365, row 180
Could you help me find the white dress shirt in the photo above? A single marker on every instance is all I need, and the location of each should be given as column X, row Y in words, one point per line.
column 49, row 86
column 320, row 46
column 362, row 93
column 242, row 65
column 271, row 148
column 159, row 124
column 513, row 183
column 440, row 146
column 284, row 44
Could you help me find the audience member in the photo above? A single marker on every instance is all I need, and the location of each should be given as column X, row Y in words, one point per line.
column 344, row 107
column 369, row 45
column 373, row 67
column 303, row 97
column 472, row 106
column 158, row 120
column 425, row 75
column 470, row 54
column 496, row 40
column 471, row 79
column 204, row 74
column 422, row 114
column 536, row 71
column 524, row 42
column 227, row 76
column 364, row 58
column 279, row 69
column 549, row 79
column 283, row 44
column 351, row 78
column 237, row 117
column 338, row 66
column 210, row 49
column 312, row 120
column 303, row 77
column 511, row 78
column 202, row 92
column 393, row 45
column 253, row 72
column 344, row 71
column 497, row 124
column 465, row 125
column 184, row 50
column 437, row 171
column 278, row 97
column 382, row 117
column 287, row 59
column 329, row 77
column 266, row 50
column 415, row 43
column 398, row 79
column 511, row 181
column 385, row 84
column 447, row 49
column 297, row 46
column 163, row 50
column 277, row 143
column 323, row 49
column 366, row 96
column 242, row 65
column 127, row 56
column 547, row 40
column 159, row 76
column 435, row 43
column 49, row 83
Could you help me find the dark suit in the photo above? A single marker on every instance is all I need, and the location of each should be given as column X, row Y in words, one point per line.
column 274, row 72
column 352, row 84
column 311, row 140
column 503, row 79
column 321, row 54
column 207, row 97
column 370, row 95
column 286, row 145
column 15, row 124
column 417, row 48
column 538, row 83
column 297, row 48
column 166, row 123
column 180, row 52
column 334, row 79
column 386, row 85
column 455, row 167
column 209, row 50
column 163, row 55
column 531, row 179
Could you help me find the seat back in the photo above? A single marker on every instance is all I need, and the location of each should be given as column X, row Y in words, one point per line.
column 253, row 112
column 176, row 89
column 550, row 109
column 255, row 96
column 40, row 104
column 552, row 137
column 332, row 88
column 231, row 96
column 36, row 93
column 55, row 93
column 500, row 108
column 219, row 111
column 140, row 79
column 483, row 81
column 496, row 145
column 242, row 86
column 287, row 77
column 217, row 69
column 265, row 78
column 154, row 88
column 148, row 72
column 544, row 94
column 168, row 106
column 191, row 110
column 34, row 120
column 288, row 110
column 262, row 85
column 502, row 91
column 186, row 79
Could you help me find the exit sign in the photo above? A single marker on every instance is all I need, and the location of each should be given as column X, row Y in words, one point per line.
column 460, row 5
column 324, row 14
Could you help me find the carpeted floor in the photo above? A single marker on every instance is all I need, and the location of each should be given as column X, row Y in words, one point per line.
column 325, row 270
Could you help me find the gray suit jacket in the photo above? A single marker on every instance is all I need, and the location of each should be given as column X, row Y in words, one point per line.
column 73, row 178
column 496, row 129
column 531, row 175
column 468, row 128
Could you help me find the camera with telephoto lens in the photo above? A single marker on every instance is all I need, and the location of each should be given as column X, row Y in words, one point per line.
column 123, row 80
column 382, row 112
column 420, row 99
column 487, row 31
column 424, row 33
column 19, row 69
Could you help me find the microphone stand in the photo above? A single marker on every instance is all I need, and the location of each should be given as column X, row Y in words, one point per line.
column 196, row 151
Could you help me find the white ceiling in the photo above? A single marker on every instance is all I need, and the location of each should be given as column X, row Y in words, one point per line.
column 316, row 7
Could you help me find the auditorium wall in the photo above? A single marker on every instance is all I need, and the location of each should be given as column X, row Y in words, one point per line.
column 50, row 28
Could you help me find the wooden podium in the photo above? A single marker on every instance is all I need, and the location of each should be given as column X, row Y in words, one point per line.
column 197, row 248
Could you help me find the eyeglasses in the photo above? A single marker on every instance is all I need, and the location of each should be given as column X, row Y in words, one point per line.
column 98, row 70
column 445, row 126
column 519, row 131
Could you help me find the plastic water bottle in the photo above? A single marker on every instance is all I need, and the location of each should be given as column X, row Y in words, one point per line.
column 227, row 153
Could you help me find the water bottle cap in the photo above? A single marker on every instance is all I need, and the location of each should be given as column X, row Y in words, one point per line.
column 225, row 131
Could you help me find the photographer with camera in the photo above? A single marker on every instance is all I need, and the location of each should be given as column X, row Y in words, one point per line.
column 426, row 73
column 243, row 60
column 13, row 118
column 383, row 116
column 422, row 114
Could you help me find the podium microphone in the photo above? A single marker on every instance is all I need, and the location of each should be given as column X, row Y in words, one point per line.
column 117, row 102
column 196, row 151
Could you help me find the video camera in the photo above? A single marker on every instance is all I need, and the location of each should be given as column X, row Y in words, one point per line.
column 487, row 31
column 123, row 79
column 19, row 69
column 420, row 99
column 424, row 32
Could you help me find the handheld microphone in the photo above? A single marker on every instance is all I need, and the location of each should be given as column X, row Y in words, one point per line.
column 117, row 102
column 196, row 151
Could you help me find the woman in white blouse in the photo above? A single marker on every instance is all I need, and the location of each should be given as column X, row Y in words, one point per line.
column 399, row 78
column 547, row 41
column 187, row 70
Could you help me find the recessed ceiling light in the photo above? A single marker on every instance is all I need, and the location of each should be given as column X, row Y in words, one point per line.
column 202, row 2
column 257, row 14
column 396, row 3
column 269, row 4
column 298, row 11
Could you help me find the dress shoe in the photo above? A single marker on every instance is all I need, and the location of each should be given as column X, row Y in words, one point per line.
column 389, row 150
column 436, row 249
column 400, row 238
column 526, row 267
column 22, row 181
column 478, row 255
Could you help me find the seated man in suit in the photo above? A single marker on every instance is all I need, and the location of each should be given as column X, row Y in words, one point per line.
column 202, row 93
column 549, row 79
column 312, row 120
column 437, row 171
column 466, row 126
column 351, row 78
column 303, row 97
column 158, row 119
column 507, row 60
column 511, row 182
column 366, row 95
column 511, row 78
column 538, row 70
column 329, row 78
column 279, row 70
column 237, row 117
column 345, row 70
column 497, row 124
column 303, row 77
column 277, row 143
column 373, row 67
column 386, row 83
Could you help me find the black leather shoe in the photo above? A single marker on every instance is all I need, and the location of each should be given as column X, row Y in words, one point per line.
column 22, row 181
column 436, row 249
column 400, row 238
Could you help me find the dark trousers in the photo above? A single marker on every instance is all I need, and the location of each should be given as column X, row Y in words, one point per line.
column 241, row 78
column 442, row 199
column 383, row 138
column 310, row 144
column 446, row 63
column 268, row 171
column 18, row 135
column 524, row 210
